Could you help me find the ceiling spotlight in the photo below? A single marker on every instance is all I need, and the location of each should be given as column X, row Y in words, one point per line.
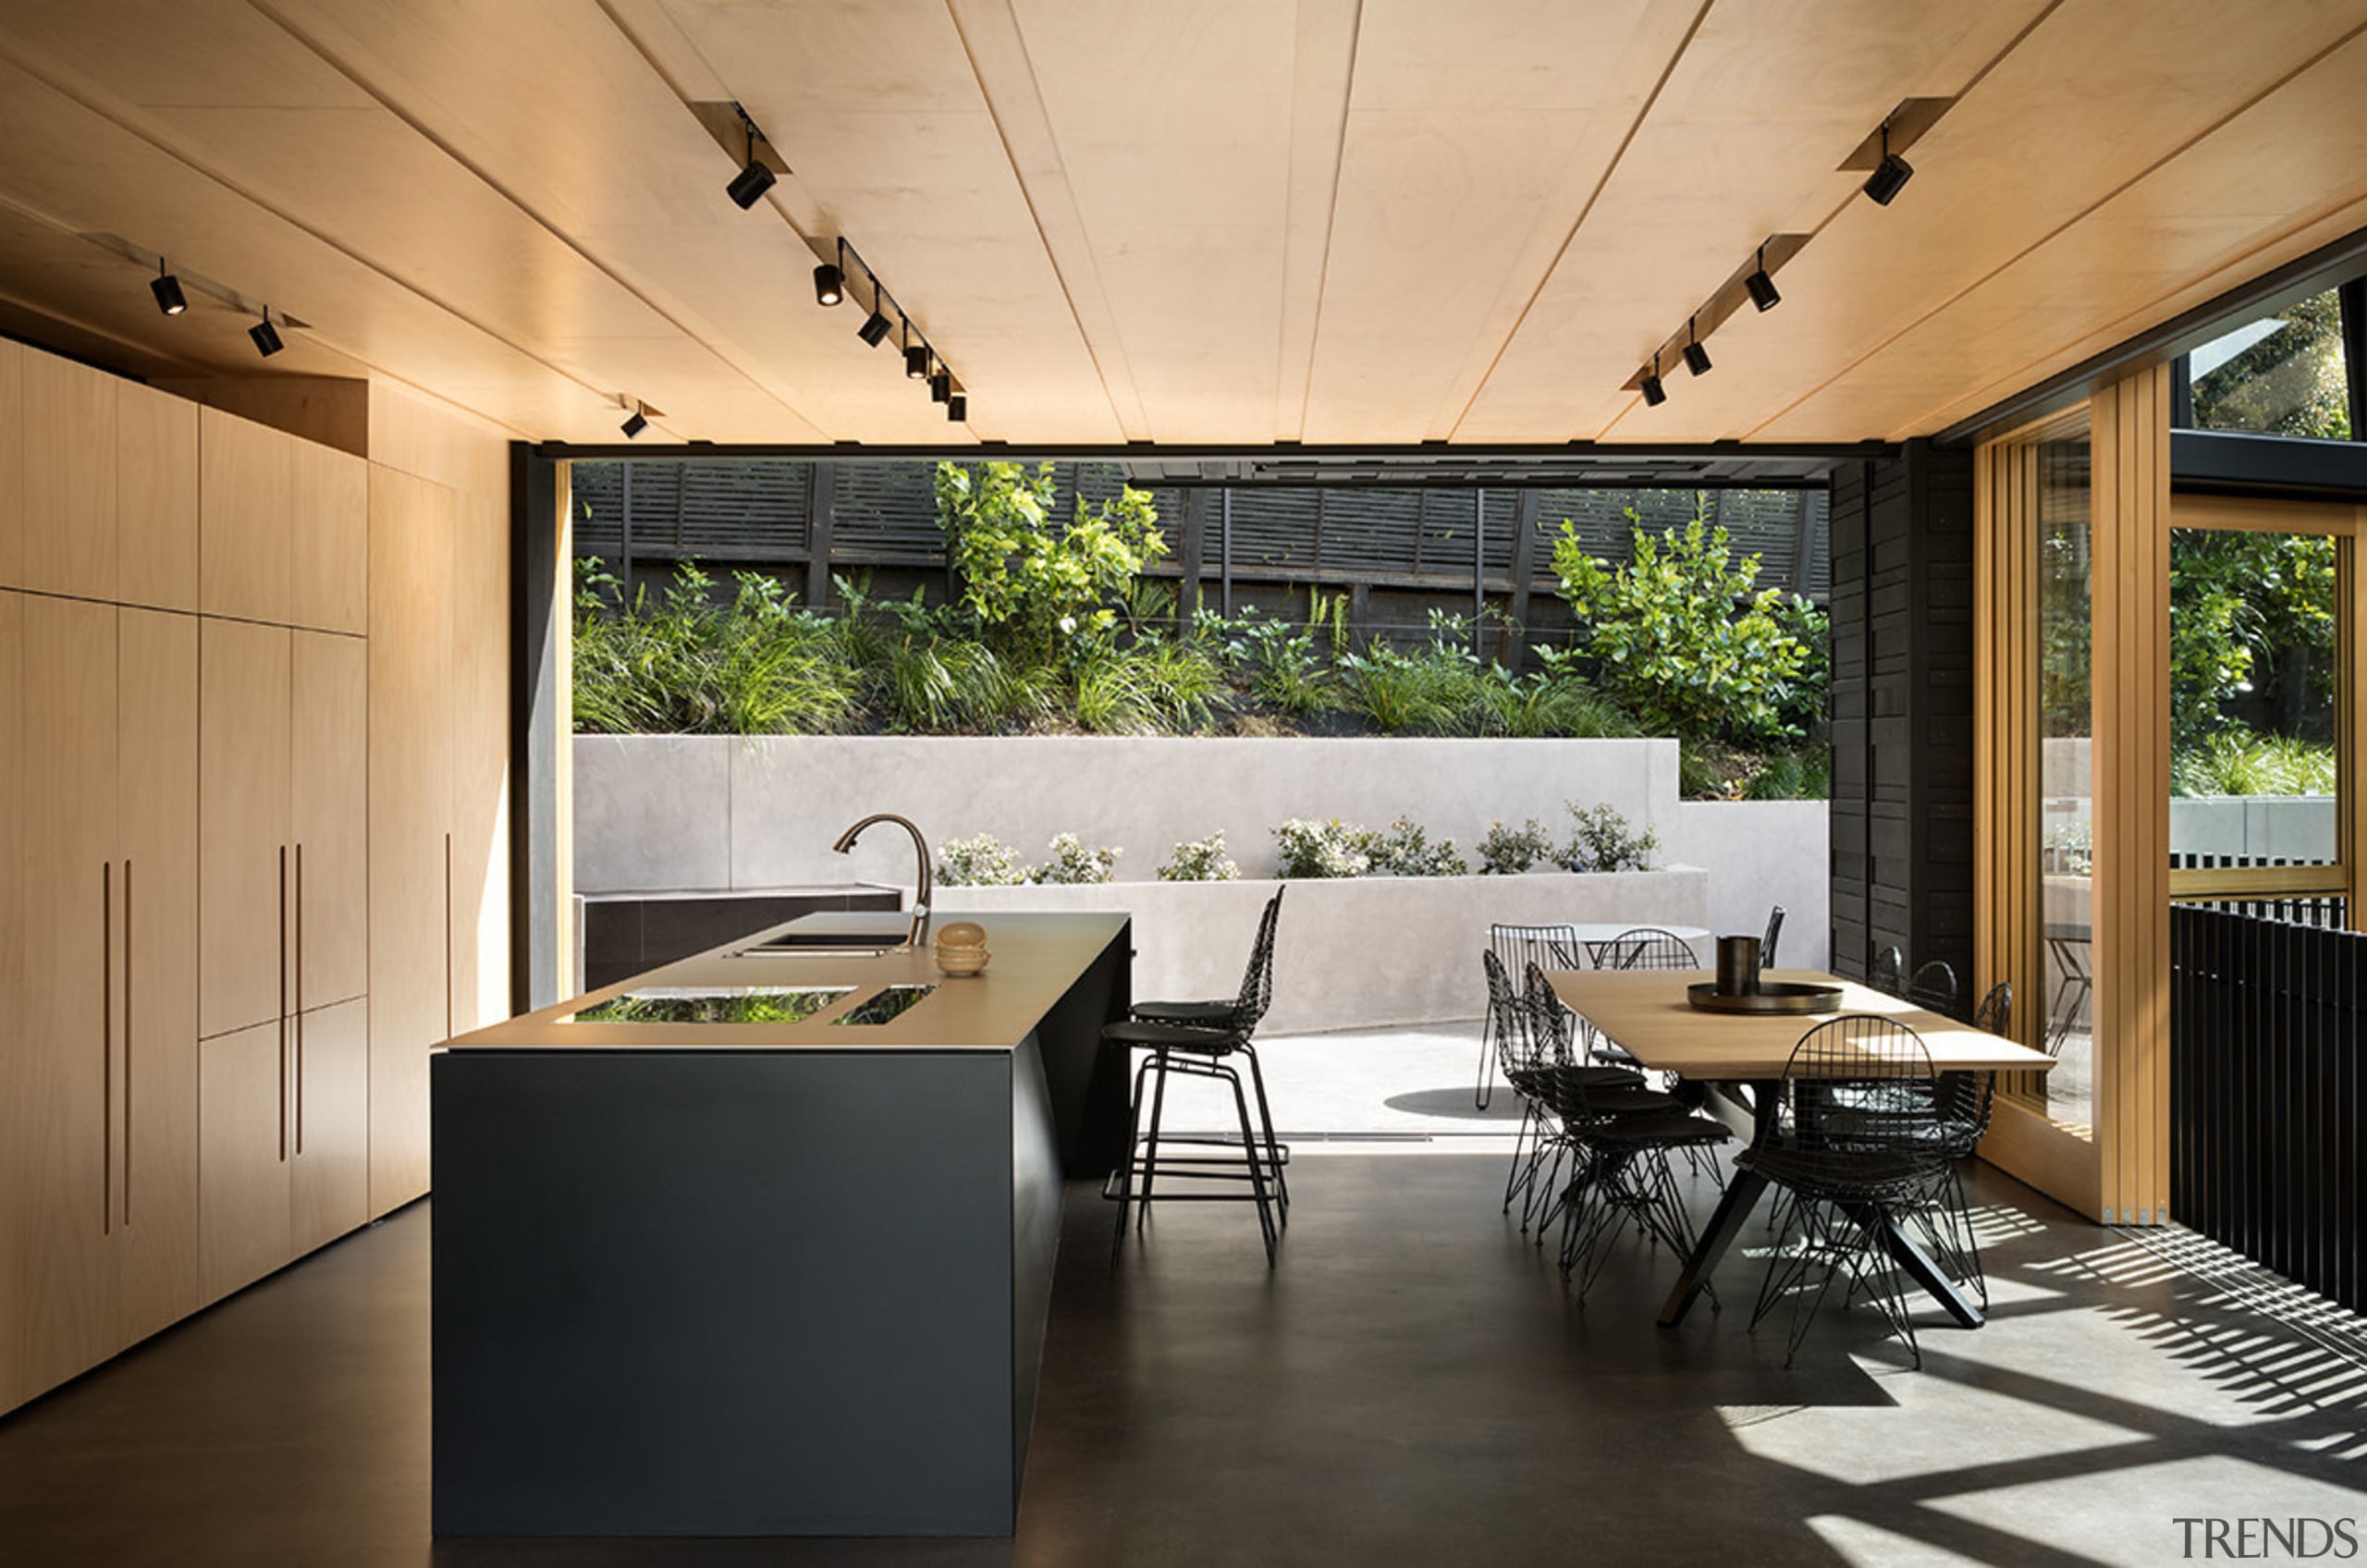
column 265, row 335
column 1654, row 393
column 957, row 408
column 1761, row 287
column 753, row 179
column 940, row 387
column 635, row 422
column 874, row 330
column 167, row 290
column 916, row 358
column 1890, row 176
column 1696, row 358
column 829, row 285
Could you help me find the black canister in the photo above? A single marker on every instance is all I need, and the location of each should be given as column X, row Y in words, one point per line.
column 1737, row 965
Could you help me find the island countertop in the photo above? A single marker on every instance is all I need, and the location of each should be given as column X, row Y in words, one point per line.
column 1036, row 958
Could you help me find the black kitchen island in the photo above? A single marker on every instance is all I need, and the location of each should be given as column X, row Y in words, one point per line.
column 762, row 1244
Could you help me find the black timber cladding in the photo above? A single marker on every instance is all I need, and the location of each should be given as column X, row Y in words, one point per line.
column 1902, row 710
column 884, row 513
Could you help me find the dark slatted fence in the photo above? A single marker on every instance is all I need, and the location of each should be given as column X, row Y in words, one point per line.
column 2268, row 1095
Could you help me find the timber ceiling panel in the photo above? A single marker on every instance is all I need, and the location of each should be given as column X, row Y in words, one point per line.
column 1166, row 221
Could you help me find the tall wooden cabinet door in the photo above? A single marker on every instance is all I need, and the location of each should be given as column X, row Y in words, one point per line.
column 331, row 1162
column 246, row 504
column 155, row 492
column 14, row 1386
column 329, row 794
column 69, row 499
column 155, row 1110
column 12, row 467
column 245, row 1138
column 244, row 870
column 479, row 728
column 411, row 793
column 331, row 543
column 57, row 1160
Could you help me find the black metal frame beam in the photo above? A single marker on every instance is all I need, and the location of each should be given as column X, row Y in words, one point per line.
column 2234, row 462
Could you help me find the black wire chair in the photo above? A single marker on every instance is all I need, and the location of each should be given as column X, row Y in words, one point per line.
column 1967, row 1101
column 1619, row 1141
column 1517, row 947
column 1857, row 1149
column 1767, row 943
column 1196, row 1039
column 1541, row 1071
column 1932, row 987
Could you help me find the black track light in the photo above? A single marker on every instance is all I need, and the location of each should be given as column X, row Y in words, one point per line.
column 874, row 330
column 940, row 387
column 829, row 285
column 635, row 422
column 167, row 290
column 753, row 179
column 1890, row 176
column 265, row 335
column 957, row 408
column 916, row 358
column 1696, row 358
column 750, row 184
column 1761, row 287
column 1654, row 393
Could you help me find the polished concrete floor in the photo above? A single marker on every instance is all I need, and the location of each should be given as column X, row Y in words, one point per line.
column 1413, row 1384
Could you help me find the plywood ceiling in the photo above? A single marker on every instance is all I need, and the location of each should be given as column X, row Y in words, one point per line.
column 1384, row 222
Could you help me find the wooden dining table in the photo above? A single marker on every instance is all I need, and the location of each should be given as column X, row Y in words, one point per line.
column 1648, row 1014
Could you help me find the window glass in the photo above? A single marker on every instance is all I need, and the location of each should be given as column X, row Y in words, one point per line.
column 2067, row 821
column 2279, row 375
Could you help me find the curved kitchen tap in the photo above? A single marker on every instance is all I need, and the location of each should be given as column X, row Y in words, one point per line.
column 920, row 850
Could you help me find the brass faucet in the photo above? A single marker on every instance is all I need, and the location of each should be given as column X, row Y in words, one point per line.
column 920, row 848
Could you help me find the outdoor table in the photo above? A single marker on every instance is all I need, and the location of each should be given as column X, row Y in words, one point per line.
column 1597, row 936
column 1647, row 1014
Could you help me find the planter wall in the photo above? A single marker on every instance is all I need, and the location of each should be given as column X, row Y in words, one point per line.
column 683, row 813
column 1350, row 954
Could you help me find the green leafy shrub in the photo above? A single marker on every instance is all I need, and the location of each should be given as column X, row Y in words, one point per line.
column 1201, row 860
column 2239, row 762
column 1678, row 636
column 1803, row 774
column 1040, row 587
column 1072, row 862
column 1600, row 839
column 1404, row 849
column 1507, row 852
column 982, row 861
column 681, row 664
column 1308, row 849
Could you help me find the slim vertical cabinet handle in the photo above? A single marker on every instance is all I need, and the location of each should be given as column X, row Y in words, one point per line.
column 106, row 1048
column 299, row 998
column 127, row 1042
column 283, row 1003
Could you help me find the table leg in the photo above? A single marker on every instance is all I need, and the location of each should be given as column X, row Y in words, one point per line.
column 1743, row 1187
column 1927, row 1274
column 1742, row 1195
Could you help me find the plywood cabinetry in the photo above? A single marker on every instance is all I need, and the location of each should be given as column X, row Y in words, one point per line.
column 328, row 784
column 243, row 818
column 69, row 430
column 12, row 465
column 97, row 1091
column 329, row 1095
column 412, row 534
column 15, row 1384
column 243, row 1139
column 155, row 497
column 283, row 525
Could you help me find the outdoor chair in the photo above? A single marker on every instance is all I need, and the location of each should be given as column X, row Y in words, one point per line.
column 1198, row 1039
column 1619, row 1140
column 1767, row 943
column 1517, row 947
column 1540, row 1078
column 1857, row 1149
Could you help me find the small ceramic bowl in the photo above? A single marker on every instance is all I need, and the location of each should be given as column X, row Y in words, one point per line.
column 958, row 961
